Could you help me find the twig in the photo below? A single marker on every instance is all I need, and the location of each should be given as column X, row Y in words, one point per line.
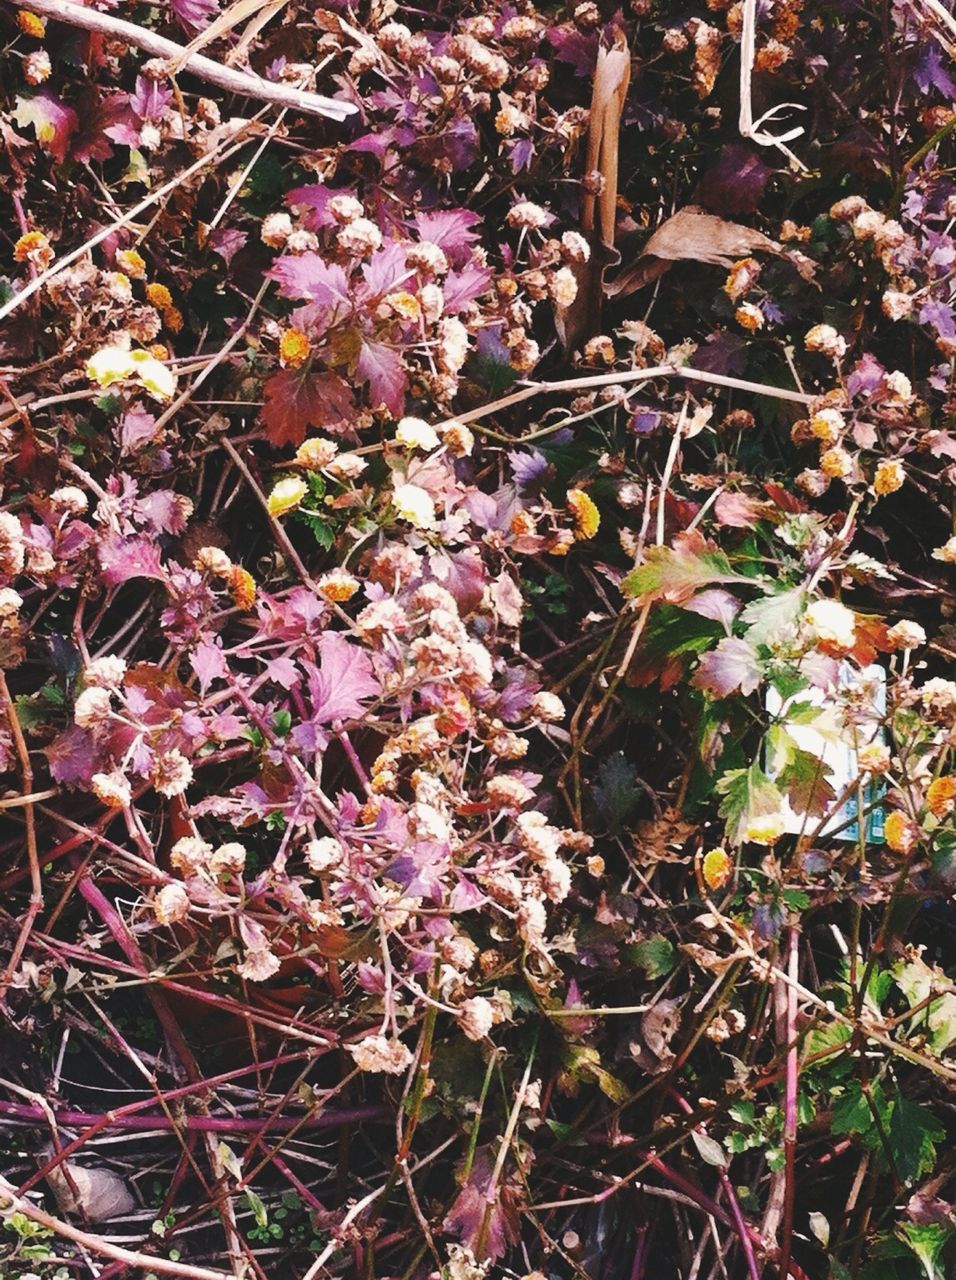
column 96, row 1244
column 245, row 83
column 749, row 127
column 27, row 800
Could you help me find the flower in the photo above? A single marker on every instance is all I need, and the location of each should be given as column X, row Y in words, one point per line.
column 213, row 560
column 575, row 246
column 831, row 623
column 563, row 287
column 405, row 305
column 452, row 349
column 941, row 795
column 337, row 585
column 69, row 499
column 258, row 965
column 939, row 696
column 889, row 476
column 476, row 1017
column 13, row 549
column 898, row 387
column 947, row 552
column 33, row 246
column 37, row 67
column 458, row 439
column 293, row 349
column 159, row 296
column 11, row 603
column 827, row 426
column 91, row 708
column 345, row 208
column 322, row 855
column 527, row 216
column 347, row 466
column 507, row 792
column 427, row 256
column 381, row 1055
column 105, row 673
column 276, row 229
column 171, row 904
column 190, row 855
column 414, row 504
column 749, row 316
column 360, row 237
column 316, row 453
column 242, row 587
column 171, row 773
column 587, row 518
column 906, row 635
column 900, row 833
column 874, row 758
column 825, row 339
column 836, row 463
column 717, row 867
column 415, row 433
column 286, row 495
column 31, row 24
column 765, row 828
column 115, row 364
column 229, row 859
column 112, row 789
column 548, row 707
column 897, row 305
column 131, row 263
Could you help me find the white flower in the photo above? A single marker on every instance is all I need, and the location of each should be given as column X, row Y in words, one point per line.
column 112, row 789
column 360, row 237
column 563, row 287
column 347, row 466
column 190, row 855
column 415, row 433
column 906, row 635
column 825, row 339
column 172, row 773
column 69, row 499
column 556, row 879
column 507, row 792
column 832, row 622
column 575, row 246
column 458, row 439
column 947, row 552
column 380, row 1054
column 229, row 859
column 105, row 673
column 526, row 214
column 258, row 965
column 899, row 386
column 276, row 229
column 414, row 504
column 766, row 828
column 91, row 707
column 428, row 256
column 171, row 904
column 322, row 855
column 476, row 1017
column 10, row 602
column 452, row 344
column 12, row 545
column 547, row 706
column 939, row 695
column 345, row 208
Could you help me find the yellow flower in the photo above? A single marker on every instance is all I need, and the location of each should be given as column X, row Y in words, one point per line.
column 286, row 495
column 115, row 364
column 889, row 476
column 337, row 586
column 900, row 832
column 587, row 518
column 242, row 587
column 33, row 247
column 316, row 453
column 293, row 348
column 132, row 263
column 749, row 316
column 717, row 868
column 941, row 796
column 836, row 463
column 767, row 828
column 159, row 296
column 173, row 319
column 405, row 304
column 31, row 24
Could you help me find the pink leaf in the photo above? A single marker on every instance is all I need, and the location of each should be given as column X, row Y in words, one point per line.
column 209, row 663
column 194, row 14
column 307, row 276
column 73, row 757
column 732, row 666
column 52, row 122
column 462, row 287
column 383, row 370
column 122, row 559
column 452, row 229
column 343, row 681
column 737, row 511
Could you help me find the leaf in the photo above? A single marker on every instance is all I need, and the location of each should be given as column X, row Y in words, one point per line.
column 820, row 1226
column 913, row 1133
column 675, row 573
column 296, row 399
column 748, row 794
column 927, row 1241
column 616, row 794
column 709, row 1150
column 307, row 277
column 917, row 980
column 730, row 668
column 344, row 680
column 851, row 1110
column 384, row 371
column 656, row 956
column 804, row 776
column 125, row 558
column 485, row 1215
column 52, row 122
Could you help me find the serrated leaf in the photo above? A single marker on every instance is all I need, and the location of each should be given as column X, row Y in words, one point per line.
column 655, row 956
column 675, row 573
column 913, row 1133
column 927, row 1241
column 748, row 794
column 297, row 398
column 732, row 667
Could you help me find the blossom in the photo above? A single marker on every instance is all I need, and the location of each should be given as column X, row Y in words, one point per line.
column 37, row 67
column 414, row 504
column 587, row 518
column 749, row 316
column 547, row 706
column 33, row 246
column 825, row 339
column 338, row 586
column 190, row 855
column 258, row 965
column 900, row 832
column 293, row 349
column 906, row 635
column 69, row 499
column 831, row 623
column 213, row 560
column 458, row 439
column 12, row 544
column 171, row 904
column 563, row 287
column 345, row 208
column 827, row 426
column 106, row 672
column 31, row 24
column 286, row 495
column 229, row 859
column 507, row 792
column 380, row 1054
column 171, row 773
column 476, row 1017
column 527, row 215
column 112, row 789
column 947, row 552
column 939, row 696
column 131, row 263
column 360, row 237
column 765, row 828
column 159, row 296
column 874, row 758
column 575, row 246
column 427, row 256
column 322, row 855
column 316, row 453
column 347, row 466
column 898, row 387
column 11, row 603
column 897, row 305
column 717, row 868
column 276, row 229
column 116, row 364
column 452, row 344
column 242, row 587
column 415, row 433
column 405, row 305
column 91, row 708
column 836, row 463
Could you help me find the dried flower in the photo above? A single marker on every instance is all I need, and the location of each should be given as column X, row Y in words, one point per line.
column 941, row 795
column 825, row 339
column 831, row 623
column 37, row 67
column 338, row 586
column 34, row 247
column 345, row 208
column 767, row 828
column 347, row 466
column 92, row 707
column 286, row 495
column 900, row 833
column 587, row 518
column 172, row 773
column 258, row 965
column 159, row 296
column 112, row 789
column 874, row 758
column 294, row 349
column 749, row 316
column 889, row 476
column 414, row 433
column 228, row 860
column 947, row 552
column 213, row 560
column 360, row 237
column 316, row 453
column 575, row 246
column 70, row 500
column 563, row 287
column 171, row 904
column 743, row 276
column 242, row 587
column 906, row 635
column 476, row 1017
column 323, row 855
column 717, row 868
column 527, row 216
column 190, row 855
column 548, row 707
column 276, row 229
column 827, row 426
column 116, row 364
column 105, row 673
column 31, row 24
column 836, row 463
column 380, row 1054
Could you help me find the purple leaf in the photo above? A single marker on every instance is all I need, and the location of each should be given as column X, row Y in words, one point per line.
column 52, row 122
column 343, row 681
column 227, row 241
column 462, row 287
column 72, row 757
column 122, row 559
column 717, row 604
column 386, row 269
column 930, row 72
column 307, row 276
column 209, row 663
column 866, row 375
column 150, row 98
column 940, row 315
column 732, row 666
column 383, row 370
column 137, row 429
column 296, row 399
column 735, row 184
column 194, row 14
column 452, row 230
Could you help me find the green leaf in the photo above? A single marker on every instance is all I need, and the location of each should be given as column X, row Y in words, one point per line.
column 654, row 955
column 674, row 574
column 851, row 1110
column 257, row 1207
column 709, row 1150
column 927, row 1241
column 748, row 794
column 616, row 794
column 918, row 980
column 913, row 1133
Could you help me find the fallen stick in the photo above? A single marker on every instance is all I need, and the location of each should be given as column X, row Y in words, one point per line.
column 245, row 83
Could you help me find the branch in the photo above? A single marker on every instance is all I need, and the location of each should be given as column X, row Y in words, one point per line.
column 245, row 83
